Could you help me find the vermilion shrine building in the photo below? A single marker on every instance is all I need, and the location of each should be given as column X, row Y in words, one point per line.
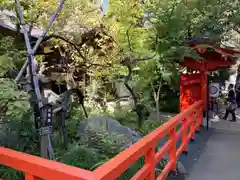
column 193, row 87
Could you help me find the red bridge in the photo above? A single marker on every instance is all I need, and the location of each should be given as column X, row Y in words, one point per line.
column 190, row 121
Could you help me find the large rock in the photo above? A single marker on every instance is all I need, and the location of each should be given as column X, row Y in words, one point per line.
column 180, row 174
column 164, row 116
column 98, row 124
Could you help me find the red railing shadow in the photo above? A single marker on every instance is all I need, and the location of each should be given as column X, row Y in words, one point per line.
column 189, row 121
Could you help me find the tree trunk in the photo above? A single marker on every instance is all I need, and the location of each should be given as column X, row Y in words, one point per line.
column 44, row 147
column 138, row 107
column 157, row 107
column 44, row 141
column 156, row 98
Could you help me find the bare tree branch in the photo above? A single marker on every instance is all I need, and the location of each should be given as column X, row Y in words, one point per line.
column 236, row 28
column 69, row 42
column 33, row 22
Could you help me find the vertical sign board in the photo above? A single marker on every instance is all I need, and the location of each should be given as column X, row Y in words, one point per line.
column 190, row 90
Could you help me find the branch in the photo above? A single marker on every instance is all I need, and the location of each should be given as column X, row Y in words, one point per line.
column 92, row 10
column 77, row 49
column 68, row 41
column 126, row 80
column 93, row 64
column 34, row 21
column 143, row 59
column 154, row 92
column 237, row 29
column 159, row 90
column 53, row 17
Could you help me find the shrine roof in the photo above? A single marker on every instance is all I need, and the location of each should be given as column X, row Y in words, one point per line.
column 215, row 55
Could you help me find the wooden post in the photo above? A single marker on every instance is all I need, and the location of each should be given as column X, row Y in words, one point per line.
column 44, row 137
column 185, row 135
column 192, row 125
column 198, row 120
column 149, row 159
column 203, row 88
column 31, row 177
column 173, row 149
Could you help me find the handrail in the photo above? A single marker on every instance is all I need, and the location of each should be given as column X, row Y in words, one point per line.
column 116, row 166
column 36, row 167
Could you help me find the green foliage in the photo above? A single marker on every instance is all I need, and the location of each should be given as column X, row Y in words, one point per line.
column 82, row 157
column 105, row 144
column 16, row 128
column 76, row 116
column 125, row 117
column 9, row 173
column 149, row 126
column 131, row 171
column 220, row 76
column 5, row 64
column 14, row 50
column 13, row 102
column 19, row 135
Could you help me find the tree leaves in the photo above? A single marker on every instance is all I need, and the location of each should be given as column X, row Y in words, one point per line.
column 14, row 103
column 5, row 65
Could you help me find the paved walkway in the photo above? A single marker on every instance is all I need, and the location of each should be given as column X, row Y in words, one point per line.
column 220, row 157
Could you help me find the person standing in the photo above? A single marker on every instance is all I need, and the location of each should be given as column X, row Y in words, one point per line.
column 231, row 103
column 237, row 87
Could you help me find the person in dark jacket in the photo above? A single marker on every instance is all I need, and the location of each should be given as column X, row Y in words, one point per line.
column 237, row 86
column 231, row 101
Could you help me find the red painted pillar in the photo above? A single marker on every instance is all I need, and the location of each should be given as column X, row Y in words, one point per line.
column 203, row 73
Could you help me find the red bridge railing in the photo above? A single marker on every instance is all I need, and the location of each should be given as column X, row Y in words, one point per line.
column 36, row 168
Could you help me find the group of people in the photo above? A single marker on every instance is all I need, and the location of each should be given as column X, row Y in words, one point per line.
column 233, row 99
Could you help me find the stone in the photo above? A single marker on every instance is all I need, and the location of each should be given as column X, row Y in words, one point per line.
column 181, row 169
column 180, row 174
column 164, row 116
column 176, row 176
column 97, row 124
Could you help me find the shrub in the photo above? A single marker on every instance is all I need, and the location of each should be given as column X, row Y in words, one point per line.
column 82, row 157
column 149, row 126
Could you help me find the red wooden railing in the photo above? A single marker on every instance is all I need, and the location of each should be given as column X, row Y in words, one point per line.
column 189, row 121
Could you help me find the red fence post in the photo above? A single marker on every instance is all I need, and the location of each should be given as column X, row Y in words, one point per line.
column 31, row 177
column 173, row 149
column 185, row 134
column 150, row 159
column 198, row 117
column 201, row 116
column 203, row 85
column 192, row 125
